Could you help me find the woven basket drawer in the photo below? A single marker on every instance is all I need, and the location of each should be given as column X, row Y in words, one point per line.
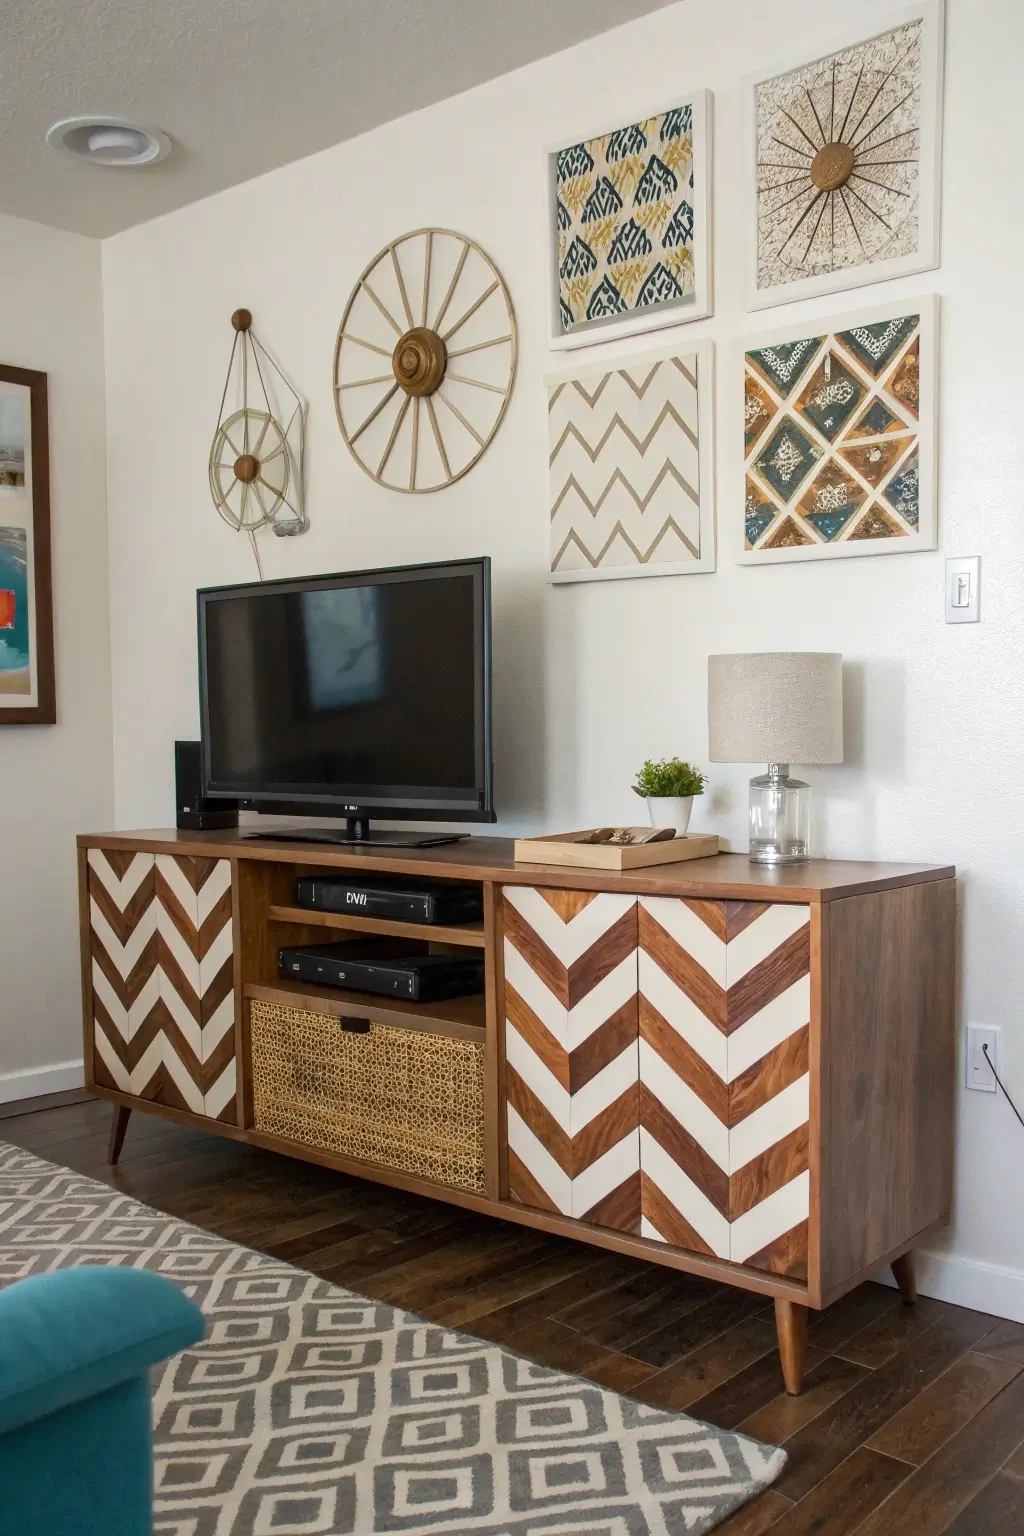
column 396, row 1097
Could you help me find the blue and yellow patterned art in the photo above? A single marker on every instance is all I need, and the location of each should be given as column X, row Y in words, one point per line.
column 625, row 215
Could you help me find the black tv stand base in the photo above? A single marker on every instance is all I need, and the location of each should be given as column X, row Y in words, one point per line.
column 359, row 834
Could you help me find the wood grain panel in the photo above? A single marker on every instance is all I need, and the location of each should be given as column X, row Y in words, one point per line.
column 888, row 1075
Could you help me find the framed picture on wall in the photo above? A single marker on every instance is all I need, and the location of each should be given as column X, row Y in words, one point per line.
column 631, row 466
column 839, row 436
column 629, row 225
column 27, row 692
column 845, row 152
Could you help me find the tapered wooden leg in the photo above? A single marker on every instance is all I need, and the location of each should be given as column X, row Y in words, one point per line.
column 118, row 1126
column 905, row 1275
column 791, row 1325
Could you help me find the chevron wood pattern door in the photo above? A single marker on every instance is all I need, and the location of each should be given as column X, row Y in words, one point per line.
column 162, row 979
column 724, row 1087
column 571, row 1057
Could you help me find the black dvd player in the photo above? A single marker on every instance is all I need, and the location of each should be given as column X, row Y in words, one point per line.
column 407, row 899
column 378, row 969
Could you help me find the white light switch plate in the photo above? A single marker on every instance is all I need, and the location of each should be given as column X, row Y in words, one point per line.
column 963, row 582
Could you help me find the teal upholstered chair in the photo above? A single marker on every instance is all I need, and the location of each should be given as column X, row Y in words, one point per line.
column 75, row 1408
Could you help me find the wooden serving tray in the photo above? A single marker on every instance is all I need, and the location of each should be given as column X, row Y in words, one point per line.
column 562, row 849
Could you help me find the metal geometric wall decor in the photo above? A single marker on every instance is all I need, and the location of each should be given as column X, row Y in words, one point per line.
column 257, row 456
column 847, row 159
column 425, row 360
column 839, row 437
column 629, row 225
column 630, row 455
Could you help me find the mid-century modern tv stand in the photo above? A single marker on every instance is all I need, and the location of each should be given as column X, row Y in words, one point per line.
column 743, row 1073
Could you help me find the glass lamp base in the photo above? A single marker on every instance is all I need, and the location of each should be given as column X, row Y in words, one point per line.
column 780, row 818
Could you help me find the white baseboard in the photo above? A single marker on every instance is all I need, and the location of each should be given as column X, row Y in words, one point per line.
column 968, row 1283
column 35, row 1081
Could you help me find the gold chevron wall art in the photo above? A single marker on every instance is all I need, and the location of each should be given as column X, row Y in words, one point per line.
column 846, row 149
column 631, row 467
column 839, row 437
column 629, row 224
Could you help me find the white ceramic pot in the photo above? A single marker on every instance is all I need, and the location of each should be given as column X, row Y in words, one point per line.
column 670, row 811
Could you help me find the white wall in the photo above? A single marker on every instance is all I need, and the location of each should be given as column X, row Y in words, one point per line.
column 591, row 679
column 56, row 779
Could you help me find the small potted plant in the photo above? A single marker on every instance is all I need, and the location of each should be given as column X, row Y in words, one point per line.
column 669, row 787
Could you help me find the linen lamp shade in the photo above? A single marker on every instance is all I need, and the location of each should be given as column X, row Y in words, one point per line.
column 776, row 707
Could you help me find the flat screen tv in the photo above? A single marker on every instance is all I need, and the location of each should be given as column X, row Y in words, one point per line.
column 356, row 695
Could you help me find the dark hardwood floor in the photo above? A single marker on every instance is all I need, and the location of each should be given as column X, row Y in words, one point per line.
column 911, row 1422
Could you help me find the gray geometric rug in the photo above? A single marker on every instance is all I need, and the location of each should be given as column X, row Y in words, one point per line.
column 308, row 1409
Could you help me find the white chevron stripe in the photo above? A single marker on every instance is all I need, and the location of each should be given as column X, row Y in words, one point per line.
column 684, row 1106
column 684, row 1016
column 120, row 891
column 648, row 1229
column 126, row 1020
column 555, row 1184
column 218, row 1026
column 777, row 1020
column 220, row 1095
column 182, row 891
column 769, row 1124
column 125, row 957
column 182, row 1016
column 105, row 1051
column 612, row 993
column 212, row 962
column 540, row 915
column 606, row 1173
column 763, row 937
column 183, row 956
column 584, row 930
column 603, row 1089
column 682, row 1192
column 213, row 890
column 541, row 1082
column 536, row 995
column 777, row 1214
column 690, row 933
column 160, row 1052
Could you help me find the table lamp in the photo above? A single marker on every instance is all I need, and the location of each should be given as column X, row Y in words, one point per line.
column 777, row 707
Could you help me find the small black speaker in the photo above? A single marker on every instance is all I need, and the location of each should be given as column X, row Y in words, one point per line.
column 195, row 812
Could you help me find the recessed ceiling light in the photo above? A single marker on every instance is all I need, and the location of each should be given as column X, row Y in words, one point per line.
column 117, row 141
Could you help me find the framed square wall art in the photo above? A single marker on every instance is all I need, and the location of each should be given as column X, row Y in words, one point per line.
column 839, row 437
column 630, row 454
column 845, row 183
column 27, row 693
column 629, row 225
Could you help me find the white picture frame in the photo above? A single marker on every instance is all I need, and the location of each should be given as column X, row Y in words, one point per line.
column 822, row 332
column 653, row 316
column 667, row 467
column 925, row 253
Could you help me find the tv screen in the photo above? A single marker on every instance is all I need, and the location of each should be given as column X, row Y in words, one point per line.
column 351, row 694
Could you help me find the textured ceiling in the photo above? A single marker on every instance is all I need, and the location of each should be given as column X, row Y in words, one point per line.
column 243, row 86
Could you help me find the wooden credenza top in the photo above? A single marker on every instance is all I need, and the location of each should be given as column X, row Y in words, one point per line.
column 727, row 877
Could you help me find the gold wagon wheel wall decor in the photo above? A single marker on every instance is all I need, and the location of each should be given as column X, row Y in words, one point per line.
column 256, row 461
column 434, row 307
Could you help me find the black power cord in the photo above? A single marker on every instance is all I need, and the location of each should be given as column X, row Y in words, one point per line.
column 995, row 1074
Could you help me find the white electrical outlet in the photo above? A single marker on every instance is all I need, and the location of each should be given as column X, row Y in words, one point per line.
column 978, row 1073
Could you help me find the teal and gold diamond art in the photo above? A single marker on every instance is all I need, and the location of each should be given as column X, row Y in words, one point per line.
column 831, row 438
column 625, row 219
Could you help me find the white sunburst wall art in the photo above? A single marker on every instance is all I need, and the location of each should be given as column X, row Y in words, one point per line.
column 839, row 436
column 628, row 208
column 845, row 184
column 631, row 467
